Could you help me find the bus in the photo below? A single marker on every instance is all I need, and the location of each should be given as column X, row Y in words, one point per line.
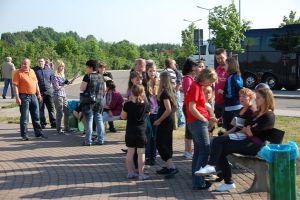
column 207, row 54
column 271, row 56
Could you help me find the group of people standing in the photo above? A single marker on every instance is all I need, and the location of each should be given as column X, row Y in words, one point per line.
column 152, row 103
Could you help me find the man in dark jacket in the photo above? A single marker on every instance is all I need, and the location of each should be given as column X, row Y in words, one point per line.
column 44, row 76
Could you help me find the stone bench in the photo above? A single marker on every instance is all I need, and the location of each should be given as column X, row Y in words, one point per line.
column 260, row 168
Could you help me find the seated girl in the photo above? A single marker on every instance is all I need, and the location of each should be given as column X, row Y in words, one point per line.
column 114, row 103
column 262, row 121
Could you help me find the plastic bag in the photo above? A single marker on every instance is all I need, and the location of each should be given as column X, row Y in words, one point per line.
column 268, row 150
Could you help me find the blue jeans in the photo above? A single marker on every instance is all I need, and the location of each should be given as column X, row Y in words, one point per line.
column 8, row 82
column 180, row 115
column 201, row 149
column 91, row 115
column 151, row 137
column 29, row 103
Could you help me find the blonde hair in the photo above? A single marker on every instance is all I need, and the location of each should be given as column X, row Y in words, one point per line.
column 56, row 66
column 139, row 92
column 209, row 90
column 247, row 92
column 207, row 75
column 233, row 66
column 268, row 97
column 166, row 85
column 152, row 85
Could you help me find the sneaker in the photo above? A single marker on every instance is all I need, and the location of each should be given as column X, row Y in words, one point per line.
column 86, row 144
column 225, row 187
column 41, row 136
column 60, row 132
column 132, row 176
column 208, row 169
column 171, row 173
column 163, row 170
column 25, row 138
column 206, row 186
column 113, row 130
column 43, row 126
column 143, row 177
column 4, row 97
column 69, row 130
column 53, row 125
column 147, row 162
column 124, row 150
column 188, row 155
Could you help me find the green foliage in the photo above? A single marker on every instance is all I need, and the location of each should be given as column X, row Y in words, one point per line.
column 75, row 50
column 227, row 30
column 291, row 19
column 187, row 37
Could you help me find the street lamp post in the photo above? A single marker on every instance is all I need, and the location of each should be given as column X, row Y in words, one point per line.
column 209, row 9
column 199, row 42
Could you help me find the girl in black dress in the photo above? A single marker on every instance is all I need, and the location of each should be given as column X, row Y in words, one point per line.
column 135, row 111
column 164, row 123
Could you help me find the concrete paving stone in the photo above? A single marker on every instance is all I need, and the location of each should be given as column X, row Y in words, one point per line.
column 60, row 168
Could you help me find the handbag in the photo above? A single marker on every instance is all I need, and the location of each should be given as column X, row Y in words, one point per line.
column 87, row 97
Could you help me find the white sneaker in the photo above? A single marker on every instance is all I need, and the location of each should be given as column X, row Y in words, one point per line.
column 188, row 155
column 208, row 169
column 225, row 187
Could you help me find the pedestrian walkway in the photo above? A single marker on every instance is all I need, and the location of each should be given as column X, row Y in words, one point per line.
column 60, row 167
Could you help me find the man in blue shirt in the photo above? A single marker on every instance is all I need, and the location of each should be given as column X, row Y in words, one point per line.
column 44, row 76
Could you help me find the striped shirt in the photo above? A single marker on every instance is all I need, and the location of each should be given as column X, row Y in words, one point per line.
column 172, row 75
column 58, row 83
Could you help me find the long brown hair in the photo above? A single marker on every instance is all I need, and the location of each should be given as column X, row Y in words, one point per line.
column 233, row 66
column 207, row 75
column 139, row 92
column 166, row 85
column 269, row 103
column 152, row 85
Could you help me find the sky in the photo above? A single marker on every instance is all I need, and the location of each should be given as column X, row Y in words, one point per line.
column 138, row 21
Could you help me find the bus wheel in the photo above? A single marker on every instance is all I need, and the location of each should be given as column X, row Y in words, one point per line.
column 272, row 82
column 250, row 81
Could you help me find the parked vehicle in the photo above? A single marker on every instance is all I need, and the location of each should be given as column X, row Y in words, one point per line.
column 207, row 54
column 272, row 56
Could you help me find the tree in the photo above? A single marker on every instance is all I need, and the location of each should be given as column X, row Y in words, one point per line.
column 291, row 19
column 187, row 37
column 227, row 30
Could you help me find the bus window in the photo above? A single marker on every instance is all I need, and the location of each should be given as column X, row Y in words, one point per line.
column 203, row 49
column 211, row 49
column 252, row 43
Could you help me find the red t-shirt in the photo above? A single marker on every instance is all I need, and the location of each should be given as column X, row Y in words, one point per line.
column 220, row 84
column 196, row 94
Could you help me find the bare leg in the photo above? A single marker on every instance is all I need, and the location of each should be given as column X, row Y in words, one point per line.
column 141, row 160
column 129, row 160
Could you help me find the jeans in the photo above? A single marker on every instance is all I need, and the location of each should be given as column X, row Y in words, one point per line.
column 151, row 137
column 106, row 117
column 48, row 101
column 29, row 103
column 8, row 82
column 219, row 155
column 199, row 130
column 180, row 116
column 61, row 107
column 91, row 115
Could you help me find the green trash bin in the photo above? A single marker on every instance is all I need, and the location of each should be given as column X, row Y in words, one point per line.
column 282, row 169
column 72, row 121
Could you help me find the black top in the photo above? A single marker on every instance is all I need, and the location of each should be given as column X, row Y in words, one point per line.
column 262, row 124
column 136, row 117
column 248, row 116
column 164, row 95
column 44, row 77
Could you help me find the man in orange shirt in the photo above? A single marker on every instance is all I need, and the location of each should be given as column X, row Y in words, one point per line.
column 27, row 96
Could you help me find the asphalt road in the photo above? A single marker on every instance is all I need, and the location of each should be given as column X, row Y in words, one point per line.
column 287, row 102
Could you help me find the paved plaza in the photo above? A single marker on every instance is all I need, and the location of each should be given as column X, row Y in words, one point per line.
column 60, row 168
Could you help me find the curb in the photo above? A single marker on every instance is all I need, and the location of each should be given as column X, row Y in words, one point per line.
column 286, row 96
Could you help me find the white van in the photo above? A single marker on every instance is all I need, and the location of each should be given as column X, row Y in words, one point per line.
column 207, row 54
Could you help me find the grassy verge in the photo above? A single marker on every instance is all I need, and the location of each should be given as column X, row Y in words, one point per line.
column 11, row 105
column 10, row 120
